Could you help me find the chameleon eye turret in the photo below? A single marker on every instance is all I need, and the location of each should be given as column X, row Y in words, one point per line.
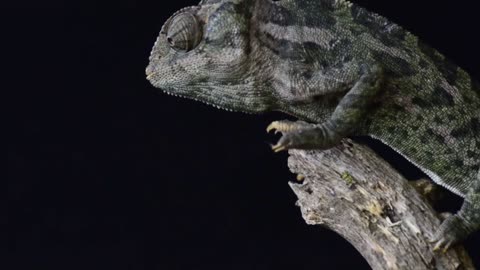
column 184, row 32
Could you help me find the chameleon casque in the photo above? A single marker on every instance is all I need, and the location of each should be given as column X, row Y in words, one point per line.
column 341, row 69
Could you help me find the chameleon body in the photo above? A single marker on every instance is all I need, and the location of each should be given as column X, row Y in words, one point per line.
column 340, row 69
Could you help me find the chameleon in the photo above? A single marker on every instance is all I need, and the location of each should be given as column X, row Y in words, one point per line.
column 342, row 71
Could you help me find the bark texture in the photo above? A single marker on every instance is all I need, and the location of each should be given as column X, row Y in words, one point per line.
column 352, row 191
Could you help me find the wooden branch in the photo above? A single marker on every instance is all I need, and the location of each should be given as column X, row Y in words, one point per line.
column 352, row 191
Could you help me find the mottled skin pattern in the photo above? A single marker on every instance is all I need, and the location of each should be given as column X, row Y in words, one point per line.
column 342, row 69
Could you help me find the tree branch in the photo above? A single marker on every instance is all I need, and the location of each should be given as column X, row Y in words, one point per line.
column 352, row 191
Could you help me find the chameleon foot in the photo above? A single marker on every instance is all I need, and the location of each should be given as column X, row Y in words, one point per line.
column 451, row 231
column 284, row 143
column 302, row 135
column 291, row 133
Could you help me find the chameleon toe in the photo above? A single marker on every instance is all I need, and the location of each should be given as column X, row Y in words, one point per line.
column 281, row 126
column 443, row 245
column 272, row 126
column 278, row 148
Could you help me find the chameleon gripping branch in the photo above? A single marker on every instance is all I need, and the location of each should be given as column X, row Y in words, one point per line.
column 352, row 191
column 343, row 71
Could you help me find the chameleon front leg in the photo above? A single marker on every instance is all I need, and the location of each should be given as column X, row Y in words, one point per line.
column 343, row 122
column 457, row 227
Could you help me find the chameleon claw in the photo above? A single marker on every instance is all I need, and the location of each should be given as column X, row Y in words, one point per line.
column 442, row 245
column 273, row 126
column 450, row 232
column 446, row 248
column 278, row 148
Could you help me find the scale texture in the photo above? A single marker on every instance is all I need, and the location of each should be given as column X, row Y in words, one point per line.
column 340, row 69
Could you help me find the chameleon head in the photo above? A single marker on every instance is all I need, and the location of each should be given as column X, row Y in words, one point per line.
column 204, row 53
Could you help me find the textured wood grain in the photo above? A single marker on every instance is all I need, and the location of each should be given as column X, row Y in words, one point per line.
column 352, row 191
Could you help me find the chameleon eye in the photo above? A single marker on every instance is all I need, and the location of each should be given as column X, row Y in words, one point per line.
column 184, row 32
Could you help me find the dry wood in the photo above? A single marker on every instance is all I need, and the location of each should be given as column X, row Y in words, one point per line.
column 352, row 191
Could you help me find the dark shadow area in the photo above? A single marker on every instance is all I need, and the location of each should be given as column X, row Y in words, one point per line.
column 105, row 172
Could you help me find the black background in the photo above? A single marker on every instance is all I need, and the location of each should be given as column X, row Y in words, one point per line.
column 105, row 172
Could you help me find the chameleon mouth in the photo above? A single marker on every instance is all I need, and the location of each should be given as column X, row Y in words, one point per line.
column 179, row 90
column 150, row 75
column 205, row 102
column 149, row 71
